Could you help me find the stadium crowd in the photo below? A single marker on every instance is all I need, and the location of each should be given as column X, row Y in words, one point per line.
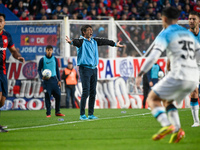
column 97, row 9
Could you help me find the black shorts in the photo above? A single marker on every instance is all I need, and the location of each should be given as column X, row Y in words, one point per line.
column 3, row 84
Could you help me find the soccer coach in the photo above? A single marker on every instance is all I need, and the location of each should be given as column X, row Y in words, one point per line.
column 87, row 60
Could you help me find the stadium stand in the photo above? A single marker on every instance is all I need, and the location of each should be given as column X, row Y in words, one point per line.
column 99, row 9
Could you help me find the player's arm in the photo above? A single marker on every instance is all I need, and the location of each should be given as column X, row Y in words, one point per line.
column 102, row 41
column 58, row 73
column 76, row 42
column 16, row 54
column 40, row 67
column 168, row 65
column 161, row 43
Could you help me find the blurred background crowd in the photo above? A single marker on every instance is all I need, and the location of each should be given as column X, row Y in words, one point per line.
column 97, row 9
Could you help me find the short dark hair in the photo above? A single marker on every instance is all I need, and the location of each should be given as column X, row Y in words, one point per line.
column 4, row 16
column 84, row 28
column 171, row 12
column 194, row 13
column 49, row 47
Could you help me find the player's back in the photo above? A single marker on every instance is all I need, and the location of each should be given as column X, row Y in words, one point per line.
column 181, row 46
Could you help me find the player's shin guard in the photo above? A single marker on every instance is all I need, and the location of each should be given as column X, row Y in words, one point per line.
column 161, row 116
column 173, row 116
column 195, row 109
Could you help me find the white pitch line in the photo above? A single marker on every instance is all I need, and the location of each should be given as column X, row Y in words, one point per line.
column 49, row 125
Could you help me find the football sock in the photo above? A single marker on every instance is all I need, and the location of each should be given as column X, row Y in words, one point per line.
column 173, row 116
column 195, row 109
column 161, row 116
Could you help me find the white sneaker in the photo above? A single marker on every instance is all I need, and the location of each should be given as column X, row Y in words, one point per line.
column 195, row 124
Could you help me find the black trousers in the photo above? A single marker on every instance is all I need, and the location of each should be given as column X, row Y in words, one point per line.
column 89, row 82
column 51, row 88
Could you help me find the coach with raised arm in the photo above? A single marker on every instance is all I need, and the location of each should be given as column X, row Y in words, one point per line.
column 87, row 60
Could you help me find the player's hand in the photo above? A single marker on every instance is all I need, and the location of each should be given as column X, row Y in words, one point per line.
column 68, row 40
column 21, row 59
column 59, row 83
column 138, row 80
column 150, row 83
column 45, row 78
column 119, row 45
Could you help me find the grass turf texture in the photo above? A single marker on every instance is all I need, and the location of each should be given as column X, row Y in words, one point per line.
column 112, row 131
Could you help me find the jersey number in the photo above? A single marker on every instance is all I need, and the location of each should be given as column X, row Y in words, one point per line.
column 187, row 47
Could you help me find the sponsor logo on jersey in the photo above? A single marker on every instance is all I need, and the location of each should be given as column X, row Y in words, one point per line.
column 2, row 49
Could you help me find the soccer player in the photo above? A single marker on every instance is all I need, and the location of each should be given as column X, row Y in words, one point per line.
column 50, row 85
column 194, row 28
column 182, row 48
column 5, row 42
column 87, row 60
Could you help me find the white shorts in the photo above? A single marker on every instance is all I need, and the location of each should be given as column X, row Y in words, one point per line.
column 172, row 89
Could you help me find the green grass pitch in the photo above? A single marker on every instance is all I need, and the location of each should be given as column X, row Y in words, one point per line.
column 112, row 131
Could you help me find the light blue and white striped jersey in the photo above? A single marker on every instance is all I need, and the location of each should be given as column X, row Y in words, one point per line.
column 181, row 46
column 197, row 36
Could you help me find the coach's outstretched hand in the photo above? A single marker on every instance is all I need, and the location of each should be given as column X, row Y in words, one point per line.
column 68, row 40
column 119, row 45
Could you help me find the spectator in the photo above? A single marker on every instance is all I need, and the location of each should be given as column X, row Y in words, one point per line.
column 80, row 8
column 147, row 33
column 115, row 14
column 55, row 3
column 26, row 4
column 70, row 78
column 54, row 17
column 92, row 7
column 130, row 4
column 58, row 11
column 134, row 13
column 124, row 17
column 65, row 11
column 156, row 7
column 141, row 9
column 42, row 13
column 118, row 6
column 85, row 5
column 187, row 10
column 84, row 14
column 35, row 7
column 103, row 11
column 93, row 14
column 125, row 10
column 30, row 17
column 44, row 4
column 176, row 3
column 100, row 6
column 158, row 16
column 197, row 6
column 20, row 9
column 11, row 5
column 179, row 7
column 151, row 13
column 24, row 16
column 44, row 17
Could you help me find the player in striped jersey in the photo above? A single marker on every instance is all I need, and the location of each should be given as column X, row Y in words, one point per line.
column 194, row 19
column 5, row 42
column 183, row 51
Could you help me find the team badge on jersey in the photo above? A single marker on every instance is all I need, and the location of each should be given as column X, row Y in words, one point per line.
column 5, row 41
